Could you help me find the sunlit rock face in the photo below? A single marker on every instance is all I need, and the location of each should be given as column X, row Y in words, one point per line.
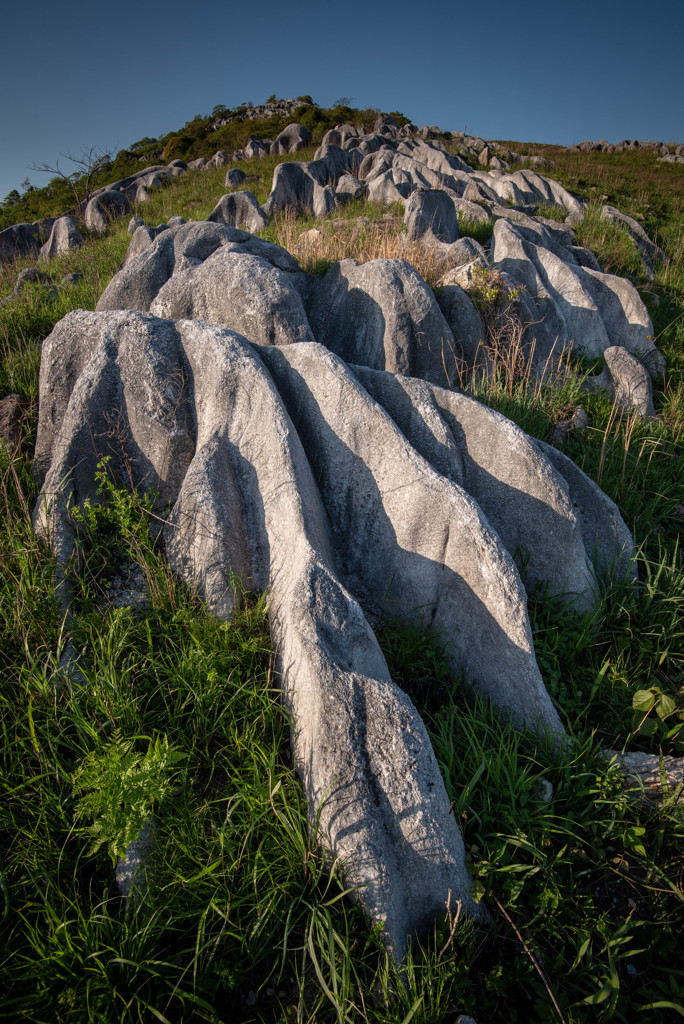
column 349, row 493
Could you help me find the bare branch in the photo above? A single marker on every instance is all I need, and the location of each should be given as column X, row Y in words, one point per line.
column 80, row 181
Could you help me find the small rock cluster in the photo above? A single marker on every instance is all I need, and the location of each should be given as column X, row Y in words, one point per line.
column 669, row 152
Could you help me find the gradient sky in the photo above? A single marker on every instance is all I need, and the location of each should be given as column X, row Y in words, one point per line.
column 79, row 74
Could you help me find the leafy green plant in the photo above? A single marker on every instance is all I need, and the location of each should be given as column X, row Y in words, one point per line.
column 666, row 721
column 490, row 291
column 118, row 788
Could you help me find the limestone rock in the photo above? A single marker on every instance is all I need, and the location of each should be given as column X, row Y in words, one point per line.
column 626, row 380
column 466, row 326
column 326, row 484
column 220, row 159
column 431, row 215
column 577, row 307
column 384, row 190
column 296, row 186
column 650, row 778
column 466, row 258
column 234, row 176
column 19, row 240
column 641, row 239
column 104, row 208
column 137, row 282
column 292, row 138
column 348, row 188
column 474, row 213
column 133, row 869
column 141, row 239
column 29, row 276
column 339, row 488
column 239, row 210
column 253, row 149
column 382, row 314
column 214, row 272
column 135, row 222
column 242, row 290
column 64, row 237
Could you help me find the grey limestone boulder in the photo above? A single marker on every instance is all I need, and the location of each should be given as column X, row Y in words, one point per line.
column 577, row 307
column 626, row 380
column 292, row 138
column 430, row 215
column 211, row 271
column 463, row 256
column 382, row 314
column 331, row 162
column 234, row 176
column 466, row 326
column 471, row 212
column 141, row 239
column 27, row 277
column 150, row 266
column 635, row 229
column 64, row 237
column 239, row 210
column 253, row 149
column 242, row 290
column 197, row 165
column 134, row 869
column 341, row 134
column 339, row 489
column 527, row 188
column 220, row 159
column 104, row 208
column 348, row 188
column 296, row 187
column 70, row 280
column 19, row 240
column 135, row 222
column 385, row 190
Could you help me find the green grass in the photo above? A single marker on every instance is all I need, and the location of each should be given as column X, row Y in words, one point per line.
column 245, row 919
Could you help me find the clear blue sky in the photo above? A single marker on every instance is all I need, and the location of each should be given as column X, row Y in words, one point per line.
column 78, row 74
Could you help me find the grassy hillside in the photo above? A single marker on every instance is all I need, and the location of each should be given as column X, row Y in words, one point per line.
column 203, row 136
column 246, row 919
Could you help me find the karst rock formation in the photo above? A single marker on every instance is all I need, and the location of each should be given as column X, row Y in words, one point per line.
column 301, row 434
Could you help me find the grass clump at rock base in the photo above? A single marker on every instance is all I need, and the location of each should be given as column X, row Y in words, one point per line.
column 245, row 917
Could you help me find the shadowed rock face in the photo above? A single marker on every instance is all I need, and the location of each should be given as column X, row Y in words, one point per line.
column 342, row 489
column 577, row 306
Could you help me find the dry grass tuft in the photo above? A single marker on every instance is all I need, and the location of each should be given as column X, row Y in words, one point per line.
column 359, row 238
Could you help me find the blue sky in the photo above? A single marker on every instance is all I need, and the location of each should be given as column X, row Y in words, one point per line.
column 79, row 74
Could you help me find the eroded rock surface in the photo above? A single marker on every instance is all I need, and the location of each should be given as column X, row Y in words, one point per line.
column 64, row 237
column 574, row 306
column 104, row 207
column 342, row 490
